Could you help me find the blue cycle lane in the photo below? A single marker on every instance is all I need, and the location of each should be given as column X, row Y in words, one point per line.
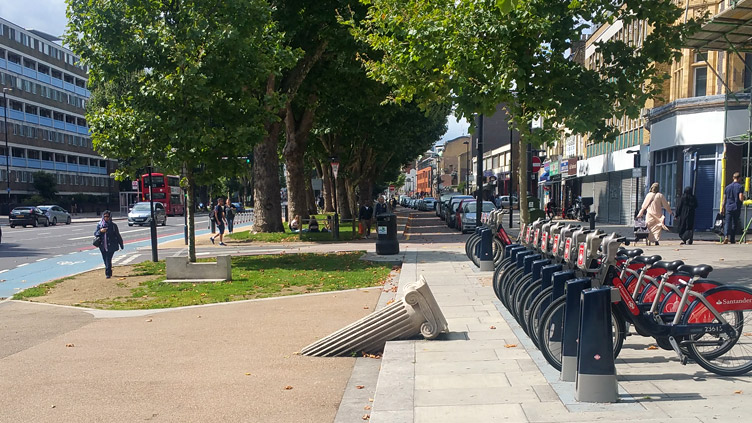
column 35, row 273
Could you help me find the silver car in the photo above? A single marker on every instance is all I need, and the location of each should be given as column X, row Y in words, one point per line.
column 56, row 214
column 140, row 214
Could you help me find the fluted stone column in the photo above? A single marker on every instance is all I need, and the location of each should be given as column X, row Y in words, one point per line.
column 418, row 312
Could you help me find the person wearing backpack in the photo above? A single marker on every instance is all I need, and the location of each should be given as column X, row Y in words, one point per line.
column 220, row 218
column 230, row 217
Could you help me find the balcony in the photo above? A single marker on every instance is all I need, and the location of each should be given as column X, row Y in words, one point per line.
column 15, row 114
column 15, row 67
column 72, row 167
column 70, row 127
column 44, row 121
column 82, row 130
column 80, row 91
column 31, row 118
column 56, row 82
column 18, row 161
column 44, row 78
column 3, row 64
column 49, row 165
column 84, row 169
column 35, row 163
column 67, row 86
column 31, row 73
column 59, row 124
column 61, row 166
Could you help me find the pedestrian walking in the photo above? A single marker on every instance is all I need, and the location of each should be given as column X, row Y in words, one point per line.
column 685, row 215
column 221, row 219
column 365, row 215
column 109, row 238
column 653, row 207
column 212, row 218
column 230, row 218
column 381, row 206
column 732, row 207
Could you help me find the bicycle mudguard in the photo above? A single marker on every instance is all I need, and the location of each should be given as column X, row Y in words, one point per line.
column 722, row 298
column 670, row 303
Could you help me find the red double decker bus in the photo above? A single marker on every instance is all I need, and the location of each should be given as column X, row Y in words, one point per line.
column 166, row 190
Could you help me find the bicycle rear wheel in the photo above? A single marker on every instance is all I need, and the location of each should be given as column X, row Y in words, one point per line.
column 724, row 354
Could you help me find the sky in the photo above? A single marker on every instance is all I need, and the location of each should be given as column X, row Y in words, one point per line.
column 43, row 15
column 49, row 16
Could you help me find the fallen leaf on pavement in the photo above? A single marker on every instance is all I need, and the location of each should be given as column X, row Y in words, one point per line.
column 738, row 392
column 288, row 387
column 365, row 308
column 367, row 407
column 69, row 345
column 652, row 347
column 148, row 320
column 366, row 417
column 121, row 279
column 359, row 387
column 493, row 327
column 510, row 345
column 247, row 374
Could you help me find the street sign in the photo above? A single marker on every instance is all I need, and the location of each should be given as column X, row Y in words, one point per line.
column 134, row 185
column 335, row 168
column 392, row 188
column 536, row 164
column 637, row 172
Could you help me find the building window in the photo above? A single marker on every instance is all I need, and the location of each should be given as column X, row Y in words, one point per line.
column 701, row 81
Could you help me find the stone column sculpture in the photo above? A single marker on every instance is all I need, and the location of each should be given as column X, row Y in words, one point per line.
column 417, row 312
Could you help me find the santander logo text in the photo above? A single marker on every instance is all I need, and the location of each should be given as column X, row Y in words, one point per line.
column 726, row 301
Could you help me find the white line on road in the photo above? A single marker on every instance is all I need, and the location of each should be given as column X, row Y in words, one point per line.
column 4, row 270
column 42, row 259
column 22, row 265
column 130, row 259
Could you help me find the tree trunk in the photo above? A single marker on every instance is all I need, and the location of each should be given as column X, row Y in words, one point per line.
column 296, row 133
column 343, row 204
column 522, row 181
column 267, row 207
column 191, row 216
column 327, row 188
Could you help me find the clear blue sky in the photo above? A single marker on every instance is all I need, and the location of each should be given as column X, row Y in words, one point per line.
column 49, row 16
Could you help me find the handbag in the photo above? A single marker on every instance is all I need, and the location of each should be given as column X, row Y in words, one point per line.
column 97, row 241
column 718, row 225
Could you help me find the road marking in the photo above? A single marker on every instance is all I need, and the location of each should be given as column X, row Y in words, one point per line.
column 130, row 259
column 42, row 259
column 22, row 265
column 134, row 230
column 75, row 252
column 70, row 263
column 81, row 237
column 4, row 270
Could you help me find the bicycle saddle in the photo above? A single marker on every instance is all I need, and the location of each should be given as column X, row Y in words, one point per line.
column 670, row 266
column 634, row 253
column 702, row 270
column 647, row 260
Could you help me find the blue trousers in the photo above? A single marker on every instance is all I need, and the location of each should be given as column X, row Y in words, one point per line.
column 733, row 225
column 107, row 257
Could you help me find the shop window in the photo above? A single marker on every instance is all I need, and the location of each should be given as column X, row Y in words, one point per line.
column 701, row 81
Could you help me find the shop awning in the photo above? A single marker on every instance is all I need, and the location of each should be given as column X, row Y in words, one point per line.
column 731, row 28
column 543, row 177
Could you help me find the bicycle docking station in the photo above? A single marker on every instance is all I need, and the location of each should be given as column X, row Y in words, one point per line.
column 485, row 255
column 596, row 370
column 571, row 328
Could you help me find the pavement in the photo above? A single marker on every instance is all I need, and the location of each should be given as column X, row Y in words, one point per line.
column 483, row 370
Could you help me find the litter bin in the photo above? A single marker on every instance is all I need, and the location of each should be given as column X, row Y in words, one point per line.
column 386, row 228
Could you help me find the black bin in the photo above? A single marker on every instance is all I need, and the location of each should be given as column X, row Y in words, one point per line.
column 386, row 228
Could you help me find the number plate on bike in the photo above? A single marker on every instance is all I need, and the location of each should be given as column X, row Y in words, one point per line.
column 581, row 255
column 537, row 236
column 528, row 235
column 567, row 247
column 556, row 244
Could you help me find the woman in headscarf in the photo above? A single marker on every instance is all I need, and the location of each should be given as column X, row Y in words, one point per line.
column 653, row 206
column 685, row 215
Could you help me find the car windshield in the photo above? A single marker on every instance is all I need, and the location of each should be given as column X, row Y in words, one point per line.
column 487, row 207
column 141, row 207
column 44, row 208
column 23, row 209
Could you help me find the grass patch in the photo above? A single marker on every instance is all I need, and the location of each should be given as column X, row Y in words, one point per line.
column 257, row 277
column 346, row 233
column 39, row 290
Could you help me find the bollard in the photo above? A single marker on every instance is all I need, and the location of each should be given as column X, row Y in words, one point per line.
column 486, row 251
column 596, row 371
column 572, row 328
column 592, row 221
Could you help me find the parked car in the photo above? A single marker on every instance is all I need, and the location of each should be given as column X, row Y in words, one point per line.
column 1, row 235
column 503, row 202
column 429, row 203
column 458, row 211
column 29, row 215
column 467, row 220
column 451, row 209
column 56, row 214
column 140, row 214
column 440, row 202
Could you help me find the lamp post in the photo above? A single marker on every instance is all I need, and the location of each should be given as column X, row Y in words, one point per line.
column 7, row 149
column 637, row 182
column 335, row 171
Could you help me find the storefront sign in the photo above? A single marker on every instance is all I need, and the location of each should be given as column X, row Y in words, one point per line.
column 564, row 167
column 554, row 168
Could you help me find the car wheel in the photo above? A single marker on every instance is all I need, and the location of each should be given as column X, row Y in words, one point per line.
column 68, row 221
column 130, row 224
column 46, row 222
column 54, row 221
column 164, row 222
column 12, row 226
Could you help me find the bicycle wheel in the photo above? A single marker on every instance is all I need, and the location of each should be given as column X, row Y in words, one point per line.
column 538, row 304
column 506, row 284
column 525, row 299
column 515, row 288
column 551, row 331
column 722, row 353
column 470, row 240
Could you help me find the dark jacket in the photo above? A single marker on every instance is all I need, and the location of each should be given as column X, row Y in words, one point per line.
column 685, row 213
column 381, row 208
column 112, row 236
column 365, row 213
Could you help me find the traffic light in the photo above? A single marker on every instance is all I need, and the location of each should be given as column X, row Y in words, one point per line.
column 249, row 158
